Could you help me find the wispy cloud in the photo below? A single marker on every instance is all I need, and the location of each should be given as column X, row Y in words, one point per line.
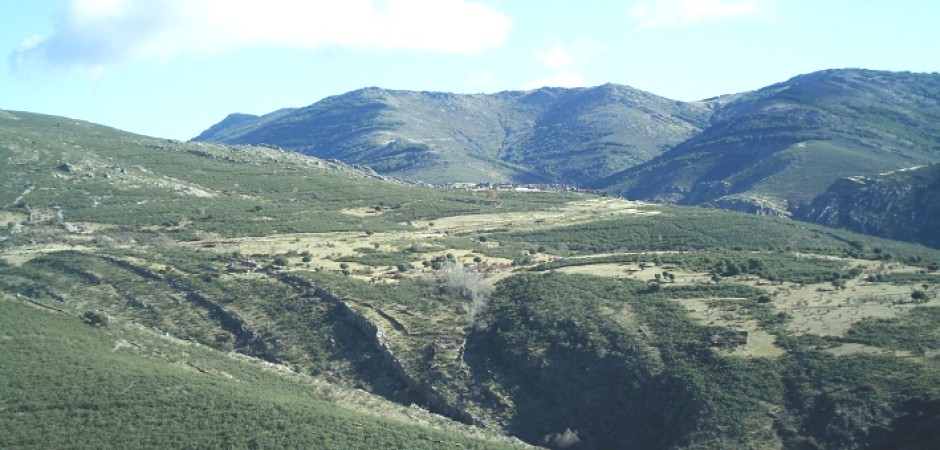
column 557, row 57
column 665, row 13
column 563, row 62
column 92, row 35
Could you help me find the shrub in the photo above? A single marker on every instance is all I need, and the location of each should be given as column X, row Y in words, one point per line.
column 95, row 318
column 567, row 439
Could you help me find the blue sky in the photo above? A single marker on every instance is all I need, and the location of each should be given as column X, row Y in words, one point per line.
column 171, row 68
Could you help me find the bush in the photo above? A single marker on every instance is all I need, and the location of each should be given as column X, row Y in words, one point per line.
column 566, row 440
column 95, row 318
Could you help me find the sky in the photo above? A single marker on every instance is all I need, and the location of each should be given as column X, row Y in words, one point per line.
column 172, row 68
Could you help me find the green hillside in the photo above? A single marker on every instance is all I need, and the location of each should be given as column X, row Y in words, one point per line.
column 145, row 282
column 68, row 384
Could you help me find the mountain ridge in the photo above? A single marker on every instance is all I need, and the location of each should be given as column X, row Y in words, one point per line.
column 520, row 136
column 773, row 149
column 789, row 141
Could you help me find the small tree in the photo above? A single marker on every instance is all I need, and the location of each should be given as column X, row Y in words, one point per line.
column 95, row 318
column 225, row 340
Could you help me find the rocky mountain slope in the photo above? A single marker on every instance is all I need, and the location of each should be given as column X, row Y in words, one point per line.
column 777, row 148
column 902, row 205
column 548, row 135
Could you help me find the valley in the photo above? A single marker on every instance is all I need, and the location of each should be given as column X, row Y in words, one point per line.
column 150, row 278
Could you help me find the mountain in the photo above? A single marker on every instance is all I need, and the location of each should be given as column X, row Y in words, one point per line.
column 157, row 293
column 769, row 151
column 902, row 205
column 775, row 149
column 549, row 135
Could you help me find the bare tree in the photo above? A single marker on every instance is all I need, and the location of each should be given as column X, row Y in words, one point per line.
column 469, row 284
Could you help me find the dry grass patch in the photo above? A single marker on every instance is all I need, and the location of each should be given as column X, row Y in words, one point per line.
column 822, row 310
column 760, row 344
column 569, row 214
column 362, row 212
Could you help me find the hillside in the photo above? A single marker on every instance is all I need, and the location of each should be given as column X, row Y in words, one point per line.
column 548, row 135
column 216, row 281
column 902, row 205
column 777, row 148
column 67, row 384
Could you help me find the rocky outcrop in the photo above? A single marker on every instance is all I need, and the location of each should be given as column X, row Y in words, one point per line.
column 436, row 402
column 902, row 205
column 753, row 205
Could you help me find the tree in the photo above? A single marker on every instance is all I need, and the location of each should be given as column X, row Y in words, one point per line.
column 225, row 340
column 95, row 318
column 469, row 284
column 565, row 440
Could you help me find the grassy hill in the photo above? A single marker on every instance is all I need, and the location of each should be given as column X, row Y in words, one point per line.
column 775, row 149
column 566, row 320
column 69, row 384
column 548, row 135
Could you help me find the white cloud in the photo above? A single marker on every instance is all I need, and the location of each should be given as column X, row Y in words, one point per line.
column 560, row 79
column 562, row 60
column 92, row 35
column 555, row 58
column 665, row 13
column 480, row 77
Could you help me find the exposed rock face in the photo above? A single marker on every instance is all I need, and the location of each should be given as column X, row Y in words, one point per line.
column 753, row 205
column 902, row 205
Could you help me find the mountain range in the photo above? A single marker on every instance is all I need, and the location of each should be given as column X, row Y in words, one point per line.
column 773, row 149
column 770, row 151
